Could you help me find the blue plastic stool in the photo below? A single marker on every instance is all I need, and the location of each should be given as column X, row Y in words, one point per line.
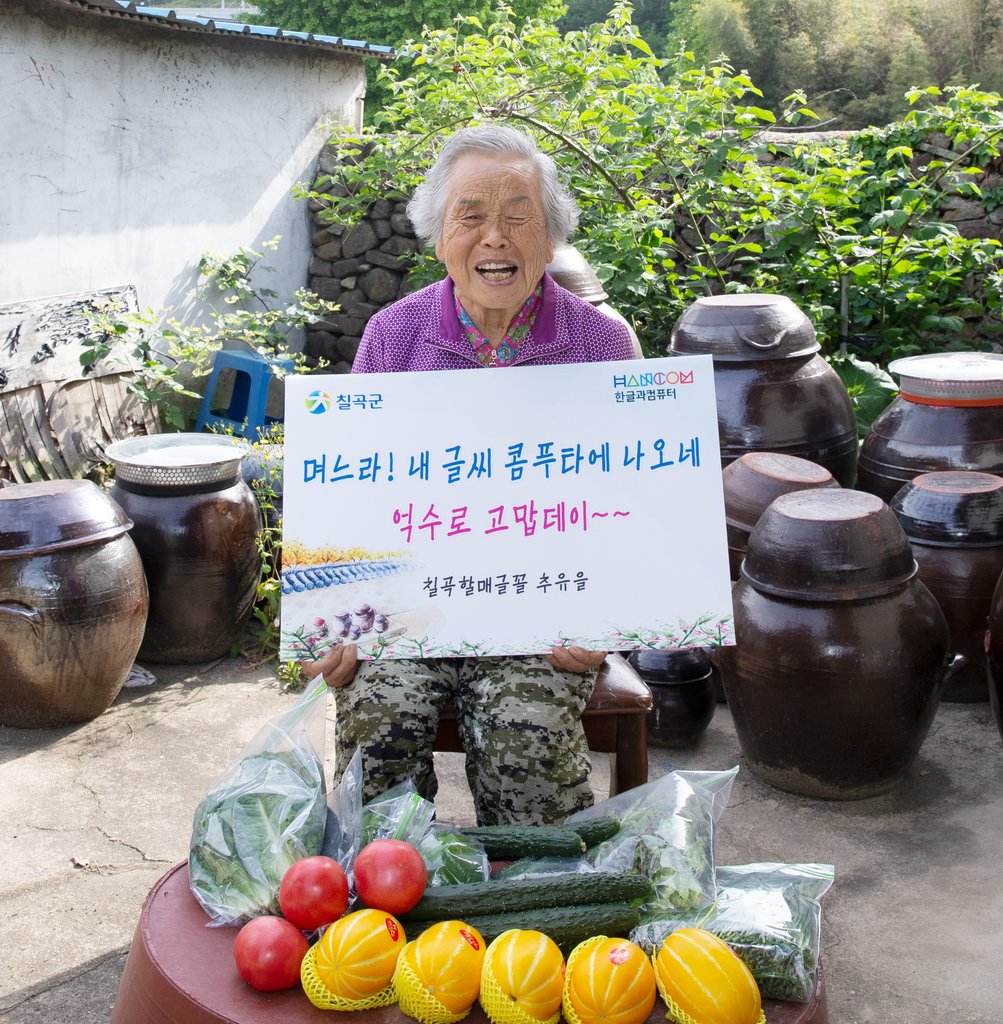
column 245, row 415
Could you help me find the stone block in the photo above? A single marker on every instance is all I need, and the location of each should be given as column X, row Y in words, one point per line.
column 346, row 347
column 328, row 162
column 344, row 268
column 381, row 209
column 380, row 285
column 402, row 225
column 398, row 245
column 350, row 300
column 383, row 229
column 360, row 238
column 331, row 250
column 321, row 345
column 342, row 323
column 320, row 237
column 385, row 259
column 320, row 268
column 327, row 288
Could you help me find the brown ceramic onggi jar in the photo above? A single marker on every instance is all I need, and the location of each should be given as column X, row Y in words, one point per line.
column 196, row 525
column 840, row 651
column 752, row 482
column 948, row 415
column 954, row 521
column 73, row 602
column 775, row 393
column 994, row 650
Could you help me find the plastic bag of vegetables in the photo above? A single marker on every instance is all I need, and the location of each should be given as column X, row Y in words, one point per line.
column 769, row 914
column 265, row 811
column 402, row 813
column 666, row 833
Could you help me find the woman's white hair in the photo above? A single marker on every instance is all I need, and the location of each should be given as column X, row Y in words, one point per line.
column 427, row 207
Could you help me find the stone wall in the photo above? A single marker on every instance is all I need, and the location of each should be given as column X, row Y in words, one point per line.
column 360, row 268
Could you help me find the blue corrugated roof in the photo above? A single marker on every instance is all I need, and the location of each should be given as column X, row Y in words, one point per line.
column 170, row 17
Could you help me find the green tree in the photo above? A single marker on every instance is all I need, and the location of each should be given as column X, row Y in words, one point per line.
column 676, row 202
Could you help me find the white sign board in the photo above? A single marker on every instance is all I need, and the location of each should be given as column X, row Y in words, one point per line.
column 507, row 511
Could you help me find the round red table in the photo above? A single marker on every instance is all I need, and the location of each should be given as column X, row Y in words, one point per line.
column 180, row 972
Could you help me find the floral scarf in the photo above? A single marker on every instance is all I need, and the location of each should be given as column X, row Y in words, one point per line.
column 509, row 347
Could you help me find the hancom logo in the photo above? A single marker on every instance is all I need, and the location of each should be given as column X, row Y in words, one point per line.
column 318, row 402
column 653, row 380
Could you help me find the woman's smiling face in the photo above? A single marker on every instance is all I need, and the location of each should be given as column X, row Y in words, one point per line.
column 494, row 237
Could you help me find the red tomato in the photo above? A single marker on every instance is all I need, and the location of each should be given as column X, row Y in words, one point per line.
column 390, row 875
column 313, row 892
column 268, row 952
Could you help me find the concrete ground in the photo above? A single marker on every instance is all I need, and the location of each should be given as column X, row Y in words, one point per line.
column 94, row 814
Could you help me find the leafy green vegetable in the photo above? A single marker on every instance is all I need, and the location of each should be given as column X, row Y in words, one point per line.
column 453, row 858
column 770, row 916
column 265, row 814
column 667, row 833
column 399, row 813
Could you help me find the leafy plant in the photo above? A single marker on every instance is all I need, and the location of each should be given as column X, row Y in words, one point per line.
column 870, row 388
column 169, row 355
column 681, row 192
column 263, row 635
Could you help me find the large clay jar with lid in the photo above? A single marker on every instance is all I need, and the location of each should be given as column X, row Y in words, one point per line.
column 196, row 526
column 775, row 393
column 73, row 602
column 994, row 652
column 954, row 521
column 841, row 652
column 752, row 482
column 948, row 415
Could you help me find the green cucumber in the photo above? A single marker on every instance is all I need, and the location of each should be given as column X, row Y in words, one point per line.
column 596, row 830
column 509, row 842
column 458, row 902
column 567, row 926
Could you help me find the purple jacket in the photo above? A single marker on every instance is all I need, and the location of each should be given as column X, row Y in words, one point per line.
column 421, row 332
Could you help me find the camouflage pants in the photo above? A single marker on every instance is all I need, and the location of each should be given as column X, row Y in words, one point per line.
column 519, row 719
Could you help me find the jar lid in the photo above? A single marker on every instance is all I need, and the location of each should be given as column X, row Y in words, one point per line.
column 177, row 460
column 951, row 378
column 829, row 544
column 952, row 508
column 757, row 478
column 571, row 270
column 674, row 665
column 744, row 328
column 38, row 518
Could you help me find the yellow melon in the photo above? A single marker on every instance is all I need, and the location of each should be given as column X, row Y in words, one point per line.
column 522, row 978
column 608, row 981
column 440, row 968
column 702, row 980
column 356, row 956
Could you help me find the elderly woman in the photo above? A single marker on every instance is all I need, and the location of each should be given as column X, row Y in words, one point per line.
column 494, row 208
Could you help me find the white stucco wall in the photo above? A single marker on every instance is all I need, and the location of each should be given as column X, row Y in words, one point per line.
column 129, row 151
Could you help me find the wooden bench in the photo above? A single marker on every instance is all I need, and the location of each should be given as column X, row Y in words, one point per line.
column 615, row 723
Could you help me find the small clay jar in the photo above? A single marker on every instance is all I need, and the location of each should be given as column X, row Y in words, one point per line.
column 775, row 393
column 947, row 415
column 841, row 651
column 752, row 482
column 196, row 528
column 954, row 521
column 682, row 688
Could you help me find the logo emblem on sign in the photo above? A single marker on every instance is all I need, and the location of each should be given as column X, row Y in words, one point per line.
column 318, row 402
